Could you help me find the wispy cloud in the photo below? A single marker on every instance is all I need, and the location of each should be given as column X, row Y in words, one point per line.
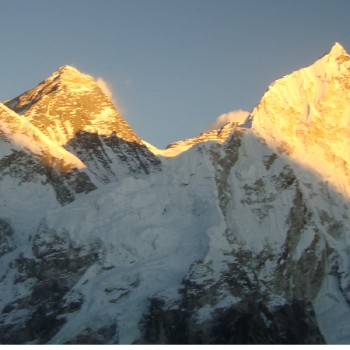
column 112, row 94
column 238, row 116
column 129, row 82
column 106, row 88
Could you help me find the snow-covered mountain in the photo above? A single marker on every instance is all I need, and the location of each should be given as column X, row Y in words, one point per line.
column 70, row 108
column 241, row 236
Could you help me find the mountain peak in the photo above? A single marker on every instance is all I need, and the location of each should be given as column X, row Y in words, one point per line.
column 68, row 102
column 308, row 109
column 70, row 74
column 337, row 50
column 68, row 68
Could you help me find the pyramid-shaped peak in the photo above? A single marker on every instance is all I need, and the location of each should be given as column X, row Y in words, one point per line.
column 68, row 70
column 337, row 50
column 70, row 74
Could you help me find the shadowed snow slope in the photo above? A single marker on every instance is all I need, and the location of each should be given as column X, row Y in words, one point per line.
column 240, row 238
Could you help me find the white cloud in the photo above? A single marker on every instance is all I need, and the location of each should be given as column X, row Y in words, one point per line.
column 238, row 116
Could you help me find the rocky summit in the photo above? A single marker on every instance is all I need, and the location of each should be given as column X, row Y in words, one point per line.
column 237, row 236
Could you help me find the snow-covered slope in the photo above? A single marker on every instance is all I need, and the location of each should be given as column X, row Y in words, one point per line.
column 307, row 115
column 242, row 237
column 25, row 135
column 35, row 174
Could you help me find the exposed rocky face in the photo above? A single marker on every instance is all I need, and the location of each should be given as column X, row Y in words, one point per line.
column 45, row 280
column 7, row 243
column 242, row 238
column 111, row 158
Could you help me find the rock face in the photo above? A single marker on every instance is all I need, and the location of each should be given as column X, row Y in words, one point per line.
column 242, row 238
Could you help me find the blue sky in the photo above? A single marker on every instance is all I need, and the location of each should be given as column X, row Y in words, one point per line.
column 173, row 65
